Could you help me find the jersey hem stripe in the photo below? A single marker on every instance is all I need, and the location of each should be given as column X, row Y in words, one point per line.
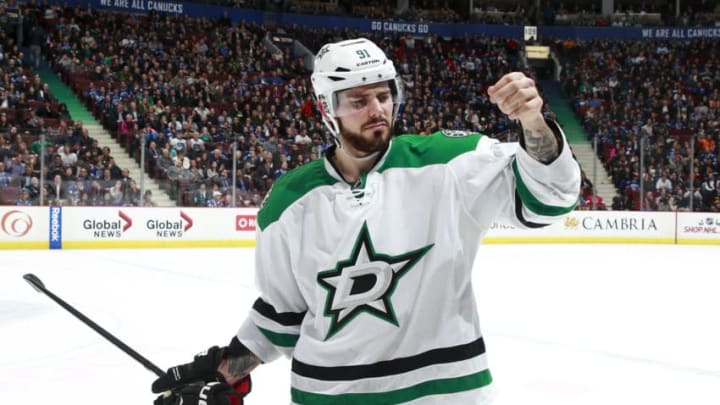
column 391, row 367
column 427, row 388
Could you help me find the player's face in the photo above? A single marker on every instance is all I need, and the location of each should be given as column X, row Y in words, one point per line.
column 365, row 118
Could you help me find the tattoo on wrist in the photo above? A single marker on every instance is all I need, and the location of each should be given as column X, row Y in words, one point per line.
column 242, row 365
column 542, row 145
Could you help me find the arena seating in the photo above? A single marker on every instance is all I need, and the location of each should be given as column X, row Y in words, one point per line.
column 194, row 88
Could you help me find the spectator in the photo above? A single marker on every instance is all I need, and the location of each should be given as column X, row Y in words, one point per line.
column 715, row 205
column 74, row 189
column 5, row 178
column 68, row 157
column 96, row 194
column 200, row 196
column 147, row 199
column 115, row 170
column 56, row 190
column 223, row 181
column 131, row 195
column 662, row 201
column 664, row 183
column 126, row 129
column 619, row 203
column 709, row 189
column 649, row 202
column 217, row 200
column 648, row 183
column 14, row 166
column 302, row 138
column 46, row 111
column 116, row 193
column 32, row 184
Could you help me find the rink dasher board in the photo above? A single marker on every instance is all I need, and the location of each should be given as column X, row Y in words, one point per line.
column 186, row 227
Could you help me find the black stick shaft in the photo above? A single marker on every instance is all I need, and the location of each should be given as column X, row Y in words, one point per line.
column 38, row 285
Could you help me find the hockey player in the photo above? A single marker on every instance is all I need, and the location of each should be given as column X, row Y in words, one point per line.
column 364, row 258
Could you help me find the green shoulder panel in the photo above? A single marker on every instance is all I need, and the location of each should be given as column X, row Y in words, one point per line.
column 290, row 187
column 407, row 151
column 438, row 148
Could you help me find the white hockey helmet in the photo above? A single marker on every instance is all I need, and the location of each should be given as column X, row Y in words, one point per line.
column 347, row 64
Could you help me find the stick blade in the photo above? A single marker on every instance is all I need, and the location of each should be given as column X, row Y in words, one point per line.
column 35, row 282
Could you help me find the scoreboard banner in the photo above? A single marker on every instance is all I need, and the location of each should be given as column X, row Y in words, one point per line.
column 413, row 28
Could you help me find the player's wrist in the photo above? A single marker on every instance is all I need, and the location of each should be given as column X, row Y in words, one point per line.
column 542, row 140
column 534, row 122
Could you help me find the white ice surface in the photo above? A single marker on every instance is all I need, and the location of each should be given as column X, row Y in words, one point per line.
column 564, row 324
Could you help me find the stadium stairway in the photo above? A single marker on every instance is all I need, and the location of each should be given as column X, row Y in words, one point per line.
column 78, row 112
column 578, row 139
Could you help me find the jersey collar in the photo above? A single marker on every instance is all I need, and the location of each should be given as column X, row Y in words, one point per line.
column 335, row 173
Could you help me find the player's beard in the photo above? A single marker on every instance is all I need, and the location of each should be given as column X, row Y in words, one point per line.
column 367, row 142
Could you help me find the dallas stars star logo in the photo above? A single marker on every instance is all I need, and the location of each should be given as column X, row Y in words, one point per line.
column 364, row 282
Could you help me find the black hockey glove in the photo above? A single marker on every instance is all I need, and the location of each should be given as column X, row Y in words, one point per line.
column 198, row 381
column 212, row 393
column 202, row 369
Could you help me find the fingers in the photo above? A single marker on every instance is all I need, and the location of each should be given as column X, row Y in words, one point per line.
column 510, row 79
column 528, row 108
column 516, row 95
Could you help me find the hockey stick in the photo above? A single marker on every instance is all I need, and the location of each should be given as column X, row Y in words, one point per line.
column 38, row 285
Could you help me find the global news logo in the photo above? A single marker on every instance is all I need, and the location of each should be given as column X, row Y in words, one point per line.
column 108, row 228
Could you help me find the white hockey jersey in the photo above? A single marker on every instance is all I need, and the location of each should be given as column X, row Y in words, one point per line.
column 368, row 286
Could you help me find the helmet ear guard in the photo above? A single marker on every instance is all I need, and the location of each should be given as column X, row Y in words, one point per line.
column 329, row 121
